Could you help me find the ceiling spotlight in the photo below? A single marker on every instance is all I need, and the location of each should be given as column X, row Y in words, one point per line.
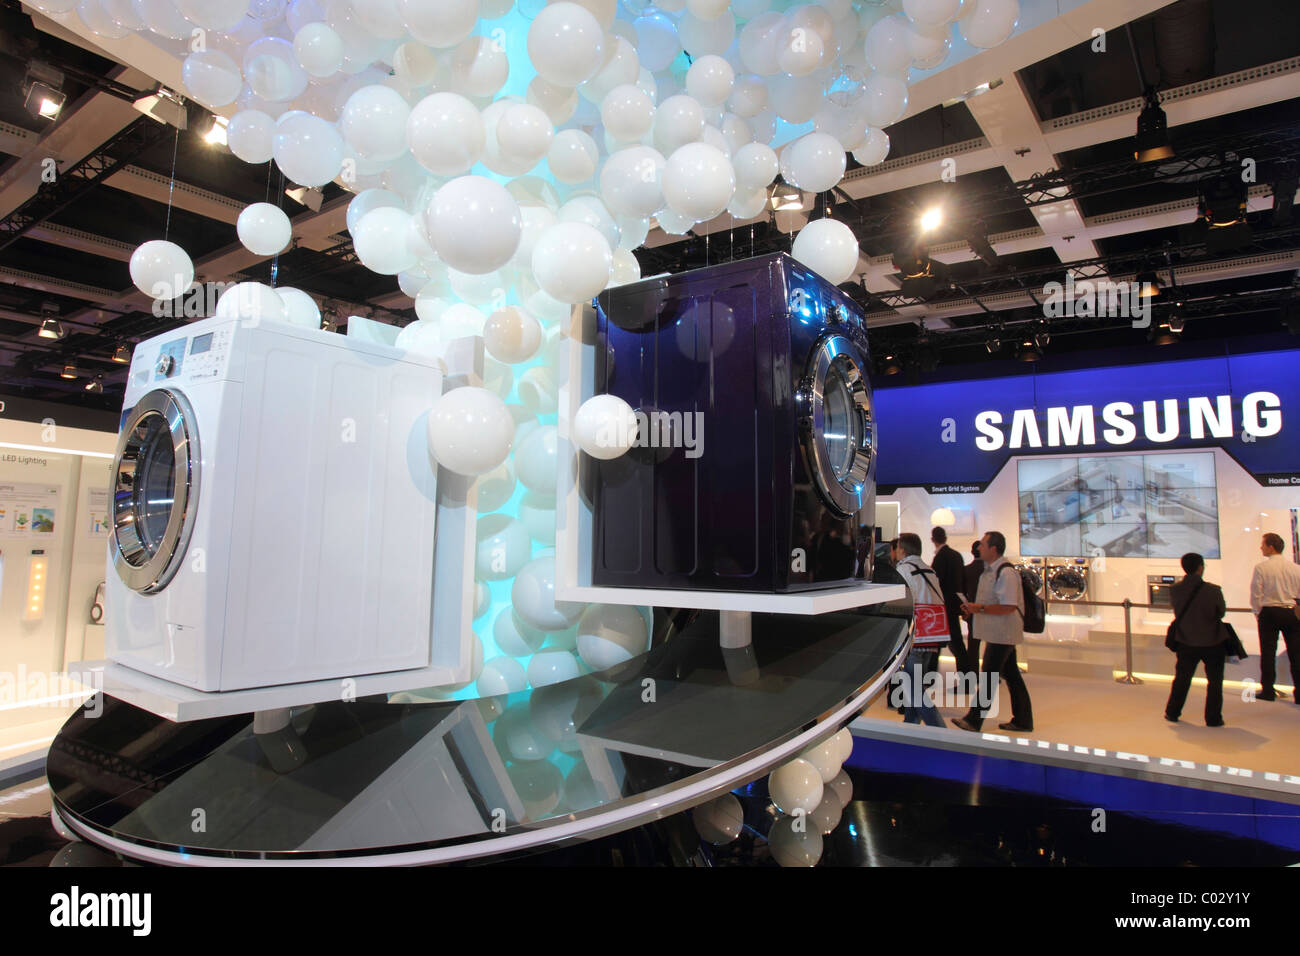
column 216, row 135
column 96, row 384
column 931, row 219
column 1177, row 321
column 785, row 196
column 69, row 369
column 1152, row 140
column 163, row 106
column 823, row 207
column 311, row 198
column 1149, row 284
column 1286, row 180
column 890, row 364
column 1028, row 351
column 1164, row 334
column 43, row 90
column 1042, row 338
column 51, row 328
column 122, row 354
column 993, row 344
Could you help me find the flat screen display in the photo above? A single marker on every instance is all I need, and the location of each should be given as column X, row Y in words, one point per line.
column 1126, row 506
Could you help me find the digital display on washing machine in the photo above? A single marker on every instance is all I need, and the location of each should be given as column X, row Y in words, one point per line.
column 201, row 344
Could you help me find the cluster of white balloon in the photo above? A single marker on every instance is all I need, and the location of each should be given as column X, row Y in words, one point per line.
column 810, row 794
column 506, row 160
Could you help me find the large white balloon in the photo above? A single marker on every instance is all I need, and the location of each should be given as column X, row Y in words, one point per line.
column 319, row 49
column 678, row 120
column 511, row 335
column 698, row 181
column 263, row 229
column 566, row 44
column 524, row 134
column 605, row 427
column 886, row 46
column 442, row 24
column 631, row 181
column 814, row 162
column 795, row 786
column 619, row 68
column 380, row 240
column 885, row 99
column 473, row 223
column 161, row 269
column 470, row 430
column 627, row 112
column 374, row 122
column 873, row 149
column 990, row 22
column 756, row 166
column 656, row 41
column 212, row 78
column 829, row 248
column 709, row 80
column 446, row 135
column 308, row 150
column 250, row 135
column 573, row 156
column 929, row 14
column 299, row 308
column 572, row 262
column 251, row 303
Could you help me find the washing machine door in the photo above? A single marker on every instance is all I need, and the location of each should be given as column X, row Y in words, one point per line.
column 838, row 425
column 1067, row 584
column 155, row 490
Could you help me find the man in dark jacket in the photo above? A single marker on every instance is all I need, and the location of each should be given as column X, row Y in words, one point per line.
column 971, row 581
column 950, row 569
column 1198, row 608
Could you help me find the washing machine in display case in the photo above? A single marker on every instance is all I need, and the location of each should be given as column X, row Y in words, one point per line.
column 273, row 509
column 1037, row 573
column 755, row 465
column 1068, row 581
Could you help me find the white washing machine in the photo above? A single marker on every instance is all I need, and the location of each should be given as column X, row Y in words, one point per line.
column 273, row 508
column 1068, row 581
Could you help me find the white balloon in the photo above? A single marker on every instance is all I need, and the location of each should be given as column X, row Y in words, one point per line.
column 720, row 821
column 873, row 149
column 814, row 162
column 698, row 181
column 524, row 134
column 319, row 49
column 380, row 18
column 503, row 547
column 511, row 335
column 627, row 112
column 220, row 15
column 368, row 199
column 566, row 44
column 605, row 427
column 760, row 43
column 885, row 99
column 473, row 223
column 990, row 22
column 710, row 79
column 656, row 41
column 572, row 156
column 928, row 14
column 515, row 637
column 795, row 786
column 308, row 150
column 842, row 784
column 421, row 337
column 701, row 37
column 442, row 24
column 755, row 165
column 795, row 847
column 886, row 46
column 829, row 248
column 161, row 269
column 626, row 267
column 678, row 120
column 794, row 98
column 825, row 817
column 470, row 430
column 211, row 78
column 620, row 67
column 419, row 66
column 533, row 596
column 632, row 231
column 249, row 135
column 459, row 321
column 252, row 303
column 673, row 222
column 446, row 134
column 161, row 17
column 272, row 70
column 572, row 262
column 300, row 308
column 557, row 102
column 552, row 667
column 802, row 51
column 374, row 122
column 536, row 459
column 302, row 12
column 825, row 756
column 380, row 241
column 631, row 181
column 748, row 203
column 844, row 748
column 263, row 229
column 610, row 634
column 927, row 49
column 500, row 676
column 748, row 96
column 479, row 67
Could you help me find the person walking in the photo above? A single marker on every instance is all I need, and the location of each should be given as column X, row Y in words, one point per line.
column 1199, row 637
column 998, row 612
column 950, row 569
column 930, row 632
column 971, row 583
column 1274, row 597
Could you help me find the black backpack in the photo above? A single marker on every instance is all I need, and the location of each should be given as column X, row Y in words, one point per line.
column 1034, row 617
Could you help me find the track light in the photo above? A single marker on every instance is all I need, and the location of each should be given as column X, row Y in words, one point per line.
column 931, row 219
column 122, row 354
column 890, row 364
column 1152, row 140
column 1028, row 350
column 1149, row 284
column 993, row 344
column 51, row 328
column 1285, row 182
column 216, row 134
column 311, row 198
column 96, row 384
column 163, row 106
column 43, row 90
column 1164, row 334
column 69, row 369
column 785, row 196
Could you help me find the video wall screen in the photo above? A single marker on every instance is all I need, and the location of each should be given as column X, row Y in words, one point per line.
column 1131, row 506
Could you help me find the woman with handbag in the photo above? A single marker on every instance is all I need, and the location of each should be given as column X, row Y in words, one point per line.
column 1198, row 636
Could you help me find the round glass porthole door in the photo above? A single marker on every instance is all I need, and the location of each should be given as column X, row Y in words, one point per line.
column 155, row 490
column 1067, row 584
column 839, row 432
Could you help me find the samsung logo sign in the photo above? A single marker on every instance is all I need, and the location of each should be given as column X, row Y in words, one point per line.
column 1118, row 423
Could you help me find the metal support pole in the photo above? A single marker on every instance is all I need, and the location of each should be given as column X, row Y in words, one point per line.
column 1128, row 677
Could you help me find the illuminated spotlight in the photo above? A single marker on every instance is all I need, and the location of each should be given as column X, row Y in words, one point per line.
column 1042, row 337
column 1164, row 334
column 931, row 219
column 216, row 135
column 993, row 343
column 96, row 384
column 69, row 369
column 51, row 328
column 1152, row 140
column 43, row 90
column 785, row 196
column 1149, row 284
column 122, row 354
column 890, row 364
column 1029, row 351
column 163, row 106
column 1177, row 320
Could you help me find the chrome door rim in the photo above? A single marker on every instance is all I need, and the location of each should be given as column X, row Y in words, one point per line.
column 140, row 568
column 845, row 495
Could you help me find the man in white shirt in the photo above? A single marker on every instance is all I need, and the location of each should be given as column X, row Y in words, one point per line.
column 1274, row 593
column 997, row 615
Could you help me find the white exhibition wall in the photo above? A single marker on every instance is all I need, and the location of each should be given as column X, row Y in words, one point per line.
column 1246, row 511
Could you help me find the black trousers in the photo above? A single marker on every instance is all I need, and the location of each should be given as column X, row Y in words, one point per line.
column 1000, row 660
column 1272, row 622
column 1188, row 657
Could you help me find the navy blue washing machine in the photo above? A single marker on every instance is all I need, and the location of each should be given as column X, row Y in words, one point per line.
column 754, row 468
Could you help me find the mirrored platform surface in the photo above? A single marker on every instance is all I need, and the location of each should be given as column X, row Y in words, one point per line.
column 413, row 780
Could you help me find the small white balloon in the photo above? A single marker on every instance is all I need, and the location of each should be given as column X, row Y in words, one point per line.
column 263, row 229
column 884, row 98
column 308, row 150
column 249, row 136
column 748, row 96
column 627, row 112
column 251, row 303
column 319, row 49
column 698, row 181
column 480, row 66
column 719, row 821
column 161, row 269
column 626, row 267
column 300, row 308
column 573, row 156
column 709, row 80
column 844, row 744
column 874, row 149
column 470, row 430
column 825, row 756
column 678, row 120
column 814, row 162
column 631, row 181
column 572, row 262
column 756, row 166
column 656, row 41
column 747, row 203
column 380, row 241
column 829, row 248
column 445, row 133
column 566, row 44
column 473, row 223
column 990, row 22
column 605, row 427
column 524, row 134
column 795, row 786
column 557, row 102
column 511, row 335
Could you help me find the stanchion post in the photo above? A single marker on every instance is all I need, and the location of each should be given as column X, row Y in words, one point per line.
column 1128, row 677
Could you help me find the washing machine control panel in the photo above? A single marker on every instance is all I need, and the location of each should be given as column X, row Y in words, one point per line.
column 209, row 354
